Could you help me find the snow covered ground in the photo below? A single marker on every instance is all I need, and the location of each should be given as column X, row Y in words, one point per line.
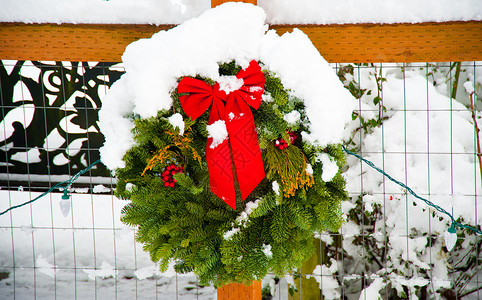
column 88, row 253
column 278, row 11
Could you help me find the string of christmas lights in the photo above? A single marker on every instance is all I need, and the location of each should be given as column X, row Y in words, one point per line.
column 451, row 233
column 65, row 186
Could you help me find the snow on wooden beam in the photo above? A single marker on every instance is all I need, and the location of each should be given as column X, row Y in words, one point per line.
column 422, row 42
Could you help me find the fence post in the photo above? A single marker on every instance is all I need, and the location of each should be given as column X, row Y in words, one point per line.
column 237, row 291
column 215, row 3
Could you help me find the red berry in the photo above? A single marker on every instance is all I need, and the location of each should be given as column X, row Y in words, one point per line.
column 166, row 183
column 171, row 184
column 174, row 180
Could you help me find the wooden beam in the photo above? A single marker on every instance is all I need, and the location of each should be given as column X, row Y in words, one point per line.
column 424, row 42
column 215, row 3
column 70, row 42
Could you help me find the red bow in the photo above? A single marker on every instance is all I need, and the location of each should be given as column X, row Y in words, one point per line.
column 239, row 121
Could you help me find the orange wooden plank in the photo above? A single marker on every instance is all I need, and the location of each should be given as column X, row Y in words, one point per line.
column 424, row 42
column 70, row 42
column 215, row 3
column 236, row 291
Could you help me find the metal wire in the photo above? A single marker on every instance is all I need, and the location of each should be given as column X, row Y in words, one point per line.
column 101, row 231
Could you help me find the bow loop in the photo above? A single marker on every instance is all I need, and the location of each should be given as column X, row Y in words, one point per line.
column 200, row 96
column 253, row 88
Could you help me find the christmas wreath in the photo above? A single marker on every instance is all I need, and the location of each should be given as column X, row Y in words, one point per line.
column 226, row 181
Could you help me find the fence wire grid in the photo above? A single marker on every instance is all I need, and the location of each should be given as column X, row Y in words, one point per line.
column 390, row 246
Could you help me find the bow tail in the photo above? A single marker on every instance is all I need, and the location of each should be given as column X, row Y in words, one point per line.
column 245, row 147
column 219, row 160
column 221, row 172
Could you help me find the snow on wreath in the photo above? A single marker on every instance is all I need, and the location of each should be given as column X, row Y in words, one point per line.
column 225, row 138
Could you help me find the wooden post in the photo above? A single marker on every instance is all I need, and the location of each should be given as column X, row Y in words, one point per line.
column 308, row 288
column 236, row 291
column 215, row 3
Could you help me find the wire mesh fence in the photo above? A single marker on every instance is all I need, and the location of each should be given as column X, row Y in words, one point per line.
column 391, row 245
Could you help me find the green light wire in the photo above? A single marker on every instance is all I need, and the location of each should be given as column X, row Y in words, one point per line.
column 65, row 185
column 440, row 209
column 69, row 182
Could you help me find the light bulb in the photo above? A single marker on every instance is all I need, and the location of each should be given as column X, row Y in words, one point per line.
column 450, row 237
column 65, row 203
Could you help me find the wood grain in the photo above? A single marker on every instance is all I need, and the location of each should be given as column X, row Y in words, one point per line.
column 70, row 42
column 424, row 42
column 215, row 3
column 236, row 291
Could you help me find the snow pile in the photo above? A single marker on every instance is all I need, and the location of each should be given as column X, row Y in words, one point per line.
column 101, row 11
column 369, row 11
column 324, row 276
column 279, row 11
column 229, row 84
column 233, row 31
column 177, row 121
column 218, row 132
column 447, row 128
column 426, row 141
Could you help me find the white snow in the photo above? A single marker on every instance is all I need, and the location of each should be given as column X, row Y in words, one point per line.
column 415, row 131
column 292, row 117
column 233, row 31
column 278, row 12
column 243, row 218
column 115, row 105
column 427, row 142
column 101, row 11
column 106, row 271
column 324, row 276
column 369, row 11
column 330, row 167
column 228, row 234
column 469, row 87
column 100, row 189
column 147, row 272
column 267, row 250
column 218, row 132
column 275, row 186
column 177, row 121
column 103, row 246
column 44, row 266
column 229, row 84
column 372, row 292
